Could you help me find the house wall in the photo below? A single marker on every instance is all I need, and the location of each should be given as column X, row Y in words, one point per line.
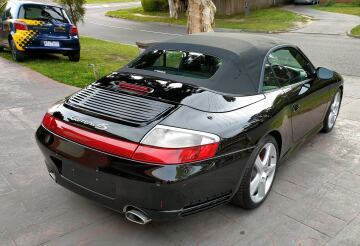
column 229, row 7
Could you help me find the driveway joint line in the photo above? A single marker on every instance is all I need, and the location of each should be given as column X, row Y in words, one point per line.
column 329, row 237
column 76, row 229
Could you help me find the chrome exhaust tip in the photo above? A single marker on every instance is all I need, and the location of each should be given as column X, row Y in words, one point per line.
column 136, row 216
column 52, row 175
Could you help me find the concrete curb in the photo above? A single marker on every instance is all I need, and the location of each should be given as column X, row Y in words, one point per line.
column 352, row 35
column 220, row 29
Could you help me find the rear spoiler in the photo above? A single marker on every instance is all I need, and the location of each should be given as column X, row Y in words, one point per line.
column 144, row 45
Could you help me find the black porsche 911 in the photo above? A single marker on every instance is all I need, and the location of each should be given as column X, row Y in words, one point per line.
column 191, row 124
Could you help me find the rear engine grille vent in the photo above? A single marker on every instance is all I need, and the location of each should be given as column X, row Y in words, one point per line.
column 118, row 106
column 207, row 204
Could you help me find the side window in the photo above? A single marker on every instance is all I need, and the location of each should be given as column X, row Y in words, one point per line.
column 182, row 63
column 289, row 66
column 270, row 82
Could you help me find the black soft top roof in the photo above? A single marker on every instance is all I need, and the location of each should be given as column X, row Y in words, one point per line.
column 233, row 42
column 242, row 55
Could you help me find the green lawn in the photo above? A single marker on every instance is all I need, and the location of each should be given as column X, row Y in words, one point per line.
column 273, row 19
column 107, row 57
column 356, row 31
column 343, row 8
column 109, row 1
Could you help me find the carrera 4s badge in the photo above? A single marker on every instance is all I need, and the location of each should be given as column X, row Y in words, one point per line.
column 101, row 126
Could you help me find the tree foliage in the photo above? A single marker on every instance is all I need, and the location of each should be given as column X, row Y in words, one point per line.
column 356, row 2
column 154, row 5
column 75, row 8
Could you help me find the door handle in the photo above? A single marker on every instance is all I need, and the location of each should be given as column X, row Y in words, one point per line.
column 295, row 107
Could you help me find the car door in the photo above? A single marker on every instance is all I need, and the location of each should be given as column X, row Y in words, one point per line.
column 305, row 93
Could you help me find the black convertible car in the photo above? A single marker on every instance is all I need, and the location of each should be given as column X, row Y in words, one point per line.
column 191, row 124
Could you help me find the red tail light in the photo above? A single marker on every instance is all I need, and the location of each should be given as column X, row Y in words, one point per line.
column 174, row 156
column 73, row 31
column 171, row 145
column 90, row 139
column 163, row 145
column 20, row 26
column 139, row 89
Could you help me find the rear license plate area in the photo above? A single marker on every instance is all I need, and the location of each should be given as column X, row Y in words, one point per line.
column 51, row 43
column 89, row 179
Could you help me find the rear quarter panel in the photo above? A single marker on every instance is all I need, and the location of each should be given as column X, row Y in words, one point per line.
column 23, row 38
column 242, row 128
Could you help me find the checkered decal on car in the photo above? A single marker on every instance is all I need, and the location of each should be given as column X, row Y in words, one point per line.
column 23, row 38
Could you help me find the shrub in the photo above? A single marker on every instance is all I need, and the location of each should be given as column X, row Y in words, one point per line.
column 329, row 3
column 154, row 5
column 356, row 2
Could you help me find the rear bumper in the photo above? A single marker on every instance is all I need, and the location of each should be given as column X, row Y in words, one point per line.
column 35, row 49
column 161, row 192
column 67, row 45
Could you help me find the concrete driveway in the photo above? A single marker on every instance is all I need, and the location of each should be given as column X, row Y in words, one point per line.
column 325, row 22
column 315, row 200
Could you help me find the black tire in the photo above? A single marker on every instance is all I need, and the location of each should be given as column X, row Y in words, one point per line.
column 243, row 198
column 18, row 56
column 74, row 57
column 326, row 126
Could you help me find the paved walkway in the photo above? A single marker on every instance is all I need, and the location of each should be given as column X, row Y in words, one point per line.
column 315, row 200
column 325, row 22
column 112, row 5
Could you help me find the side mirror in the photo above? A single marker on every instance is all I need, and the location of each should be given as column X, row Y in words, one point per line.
column 324, row 73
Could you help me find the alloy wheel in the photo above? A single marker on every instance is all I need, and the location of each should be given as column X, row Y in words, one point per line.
column 334, row 110
column 263, row 173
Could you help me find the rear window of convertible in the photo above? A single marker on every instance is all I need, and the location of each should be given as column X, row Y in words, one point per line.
column 182, row 63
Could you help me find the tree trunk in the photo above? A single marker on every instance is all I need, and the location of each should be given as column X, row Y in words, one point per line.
column 171, row 8
column 201, row 16
column 174, row 8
